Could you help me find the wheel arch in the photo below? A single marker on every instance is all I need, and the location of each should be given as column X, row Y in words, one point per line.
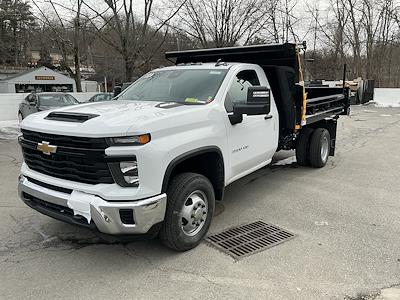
column 207, row 161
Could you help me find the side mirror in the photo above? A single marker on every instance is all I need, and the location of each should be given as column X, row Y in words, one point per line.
column 257, row 95
column 258, row 103
column 31, row 100
column 117, row 91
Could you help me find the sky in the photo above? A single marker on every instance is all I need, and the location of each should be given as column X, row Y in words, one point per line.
column 302, row 28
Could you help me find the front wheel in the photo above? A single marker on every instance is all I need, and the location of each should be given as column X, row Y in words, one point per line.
column 190, row 208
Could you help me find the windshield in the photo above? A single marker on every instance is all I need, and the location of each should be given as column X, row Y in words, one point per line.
column 183, row 86
column 57, row 100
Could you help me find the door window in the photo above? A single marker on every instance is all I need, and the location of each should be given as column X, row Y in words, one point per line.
column 238, row 91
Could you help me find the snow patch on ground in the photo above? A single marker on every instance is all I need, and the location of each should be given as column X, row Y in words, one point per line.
column 387, row 105
column 387, row 97
column 9, row 130
column 285, row 162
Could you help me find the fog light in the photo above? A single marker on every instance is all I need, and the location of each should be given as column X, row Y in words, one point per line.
column 129, row 171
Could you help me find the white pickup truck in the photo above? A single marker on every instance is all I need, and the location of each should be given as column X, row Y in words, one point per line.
column 155, row 160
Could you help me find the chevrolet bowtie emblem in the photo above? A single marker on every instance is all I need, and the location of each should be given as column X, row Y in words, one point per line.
column 46, row 148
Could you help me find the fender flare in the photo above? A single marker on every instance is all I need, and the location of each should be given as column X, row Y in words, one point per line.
column 182, row 157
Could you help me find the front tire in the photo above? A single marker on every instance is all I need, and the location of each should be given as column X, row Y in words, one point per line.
column 190, row 207
column 320, row 147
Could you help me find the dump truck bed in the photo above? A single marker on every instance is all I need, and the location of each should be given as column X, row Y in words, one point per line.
column 281, row 63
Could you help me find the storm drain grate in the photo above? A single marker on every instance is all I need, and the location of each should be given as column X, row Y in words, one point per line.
column 249, row 239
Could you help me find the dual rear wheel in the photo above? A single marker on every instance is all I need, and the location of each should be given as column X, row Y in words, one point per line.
column 313, row 147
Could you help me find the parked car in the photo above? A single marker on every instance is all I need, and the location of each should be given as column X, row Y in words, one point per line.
column 36, row 102
column 101, row 97
column 155, row 161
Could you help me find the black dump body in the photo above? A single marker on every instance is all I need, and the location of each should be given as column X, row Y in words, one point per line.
column 280, row 62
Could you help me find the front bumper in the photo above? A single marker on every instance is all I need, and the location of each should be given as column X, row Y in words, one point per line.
column 105, row 216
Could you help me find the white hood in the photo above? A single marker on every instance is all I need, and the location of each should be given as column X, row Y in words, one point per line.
column 114, row 118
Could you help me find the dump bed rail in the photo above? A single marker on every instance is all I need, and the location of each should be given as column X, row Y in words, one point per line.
column 324, row 107
column 325, row 103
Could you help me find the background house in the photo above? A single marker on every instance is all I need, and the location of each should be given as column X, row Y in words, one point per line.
column 37, row 80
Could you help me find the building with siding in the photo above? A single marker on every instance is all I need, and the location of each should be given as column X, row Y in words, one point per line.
column 37, row 80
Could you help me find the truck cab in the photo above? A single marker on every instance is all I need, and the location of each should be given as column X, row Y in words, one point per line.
column 154, row 161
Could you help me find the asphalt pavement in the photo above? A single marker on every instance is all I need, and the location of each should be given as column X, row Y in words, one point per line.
column 346, row 218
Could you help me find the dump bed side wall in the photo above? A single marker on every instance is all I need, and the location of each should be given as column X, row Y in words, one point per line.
column 315, row 92
column 317, row 96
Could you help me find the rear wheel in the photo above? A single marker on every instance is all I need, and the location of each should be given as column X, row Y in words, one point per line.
column 190, row 208
column 302, row 147
column 320, row 147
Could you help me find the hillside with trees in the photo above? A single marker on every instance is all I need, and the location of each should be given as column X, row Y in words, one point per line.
column 122, row 39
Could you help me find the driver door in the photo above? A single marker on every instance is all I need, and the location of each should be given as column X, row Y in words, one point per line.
column 252, row 142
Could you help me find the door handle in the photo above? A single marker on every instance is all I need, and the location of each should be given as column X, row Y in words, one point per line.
column 268, row 117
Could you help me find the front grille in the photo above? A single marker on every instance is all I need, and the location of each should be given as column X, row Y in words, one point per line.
column 49, row 186
column 77, row 158
column 50, row 206
column 65, row 141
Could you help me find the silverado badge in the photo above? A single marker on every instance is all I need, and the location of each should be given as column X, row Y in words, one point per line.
column 46, row 148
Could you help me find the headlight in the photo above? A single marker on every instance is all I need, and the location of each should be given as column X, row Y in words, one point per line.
column 129, row 140
column 125, row 173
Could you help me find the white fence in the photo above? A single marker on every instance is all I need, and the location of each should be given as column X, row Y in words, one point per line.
column 9, row 104
column 387, row 97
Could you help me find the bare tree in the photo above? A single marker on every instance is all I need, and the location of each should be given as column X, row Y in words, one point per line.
column 219, row 23
column 135, row 39
column 273, row 13
column 67, row 34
